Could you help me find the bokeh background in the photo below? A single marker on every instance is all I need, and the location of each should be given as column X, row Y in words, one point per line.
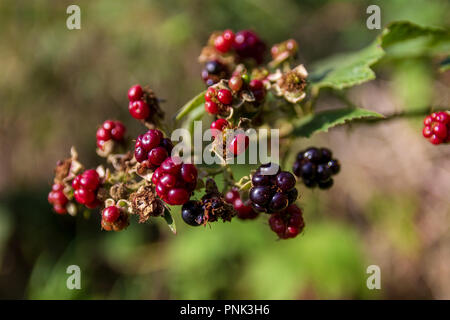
column 389, row 206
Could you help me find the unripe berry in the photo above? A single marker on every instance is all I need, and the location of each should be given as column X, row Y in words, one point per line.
column 220, row 124
column 177, row 196
column 225, row 96
column 189, row 172
column 135, row 93
column 111, row 214
column 210, row 94
column 211, row 107
column 157, row 155
column 84, row 196
column 235, row 83
column 103, row 134
column 239, row 144
column 139, row 110
column 118, row 131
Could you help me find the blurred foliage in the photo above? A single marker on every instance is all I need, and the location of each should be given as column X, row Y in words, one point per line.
column 58, row 85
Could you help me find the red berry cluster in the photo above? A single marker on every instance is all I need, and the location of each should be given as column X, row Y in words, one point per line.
column 217, row 100
column 175, row 181
column 437, row 127
column 110, row 130
column 152, row 148
column 243, row 208
column 245, row 43
column 239, row 142
column 58, row 199
column 86, row 186
column 139, row 109
column 287, row 223
column 113, row 218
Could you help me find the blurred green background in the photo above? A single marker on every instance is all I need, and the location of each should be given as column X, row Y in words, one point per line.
column 389, row 205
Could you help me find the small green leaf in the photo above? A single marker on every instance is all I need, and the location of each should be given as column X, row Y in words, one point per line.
column 194, row 103
column 322, row 121
column 170, row 222
column 405, row 39
column 346, row 70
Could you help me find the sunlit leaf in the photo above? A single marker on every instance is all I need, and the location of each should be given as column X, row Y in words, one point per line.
column 322, row 121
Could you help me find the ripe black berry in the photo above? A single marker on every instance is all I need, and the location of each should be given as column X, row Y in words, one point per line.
column 316, row 167
column 272, row 190
column 213, row 72
column 192, row 213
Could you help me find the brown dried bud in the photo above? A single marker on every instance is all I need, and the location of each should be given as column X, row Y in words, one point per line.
column 118, row 191
column 214, row 204
column 62, row 170
column 146, row 204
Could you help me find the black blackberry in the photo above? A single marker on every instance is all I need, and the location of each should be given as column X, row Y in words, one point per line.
column 316, row 167
column 272, row 190
column 192, row 213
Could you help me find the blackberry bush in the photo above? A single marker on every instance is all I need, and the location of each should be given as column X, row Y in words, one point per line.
column 246, row 90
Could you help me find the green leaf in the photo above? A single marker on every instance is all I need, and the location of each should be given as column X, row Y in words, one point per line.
column 170, row 222
column 399, row 39
column 405, row 39
column 346, row 70
column 322, row 121
column 193, row 104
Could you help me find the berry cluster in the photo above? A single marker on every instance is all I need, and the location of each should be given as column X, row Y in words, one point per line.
column 272, row 192
column 239, row 142
column 247, row 44
column 287, row 223
column 151, row 148
column 175, row 181
column 86, row 186
column 113, row 218
column 217, row 101
column 110, row 130
column 143, row 103
column 213, row 72
column 243, row 208
column 58, row 199
column 437, row 127
column 315, row 166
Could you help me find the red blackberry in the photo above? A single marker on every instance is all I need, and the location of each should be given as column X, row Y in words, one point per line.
column 110, row 130
column 175, row 181
column 437, row 127
column 316, row 167
column 86, row 186
column 58, row 199
column 248, row 45
column 244, row 209
column 151, row 148
column 272, row 190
